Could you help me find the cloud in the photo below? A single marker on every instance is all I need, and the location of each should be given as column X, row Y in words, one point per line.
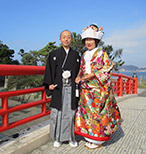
column 130, row 40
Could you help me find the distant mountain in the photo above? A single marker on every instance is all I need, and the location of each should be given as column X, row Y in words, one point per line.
column 128, row 68
column 132, row 68
column 142, row 68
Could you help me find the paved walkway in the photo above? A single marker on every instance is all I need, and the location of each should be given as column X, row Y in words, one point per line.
column 130, row 138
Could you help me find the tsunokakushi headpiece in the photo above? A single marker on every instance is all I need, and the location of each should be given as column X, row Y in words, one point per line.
column 92, row 32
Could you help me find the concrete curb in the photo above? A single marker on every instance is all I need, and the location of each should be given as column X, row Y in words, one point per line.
column 28, row 142
column 37, row 137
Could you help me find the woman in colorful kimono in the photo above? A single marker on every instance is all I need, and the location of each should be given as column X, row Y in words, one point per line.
column 98, row 115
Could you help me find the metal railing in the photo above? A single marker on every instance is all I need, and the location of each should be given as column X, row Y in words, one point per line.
column 119, row 86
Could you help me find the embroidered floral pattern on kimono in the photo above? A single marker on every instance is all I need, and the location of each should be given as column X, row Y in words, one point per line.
column 98, row 115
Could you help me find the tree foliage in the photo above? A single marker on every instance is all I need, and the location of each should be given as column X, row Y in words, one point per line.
column 34, row 57
column 6, row 55
column 44, row 52
column 31, row 58
column 77, row 44
column 114, row 55
column 24, row 81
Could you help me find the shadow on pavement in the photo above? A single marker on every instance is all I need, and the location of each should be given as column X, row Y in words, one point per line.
column 114, row 138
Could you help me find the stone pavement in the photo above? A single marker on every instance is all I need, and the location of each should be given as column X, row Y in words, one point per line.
column 130, row 138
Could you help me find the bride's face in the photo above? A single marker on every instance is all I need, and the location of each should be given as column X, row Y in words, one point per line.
column 90, row 43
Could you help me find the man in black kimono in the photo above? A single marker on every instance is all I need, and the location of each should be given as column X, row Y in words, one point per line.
column 61, row 70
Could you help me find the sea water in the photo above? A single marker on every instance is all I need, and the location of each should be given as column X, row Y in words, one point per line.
column 139, row 74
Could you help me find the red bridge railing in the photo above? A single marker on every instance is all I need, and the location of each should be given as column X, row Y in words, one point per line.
column 123, row 84
column 7, row 70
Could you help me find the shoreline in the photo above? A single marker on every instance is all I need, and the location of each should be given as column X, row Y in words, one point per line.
column 122, row 70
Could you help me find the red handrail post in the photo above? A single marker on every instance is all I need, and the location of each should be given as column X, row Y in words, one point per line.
column 116, row 85
column 128, row 85
column 44, row 106
column 5, row 108
column 120, row 86
column 134, row 85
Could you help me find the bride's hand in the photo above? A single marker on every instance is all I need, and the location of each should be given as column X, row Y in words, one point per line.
column 77, row 80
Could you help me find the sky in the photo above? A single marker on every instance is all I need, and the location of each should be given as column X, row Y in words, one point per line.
column 32, row 24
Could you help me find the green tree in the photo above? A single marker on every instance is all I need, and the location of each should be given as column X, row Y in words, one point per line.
column 21, row 52
column 77, row 44
column 6, row 55
column 37, row 57
column 114, row 55
column 44, row 52
column 31, row 58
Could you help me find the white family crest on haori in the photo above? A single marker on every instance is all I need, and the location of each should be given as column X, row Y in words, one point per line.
column 54, row 58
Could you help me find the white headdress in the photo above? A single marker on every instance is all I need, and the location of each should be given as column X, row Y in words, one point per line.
column 89, row 32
